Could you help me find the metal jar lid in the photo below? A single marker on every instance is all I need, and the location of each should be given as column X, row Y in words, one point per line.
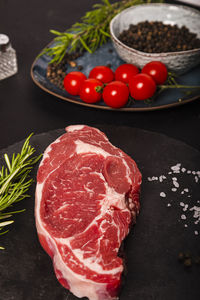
column 4, row 42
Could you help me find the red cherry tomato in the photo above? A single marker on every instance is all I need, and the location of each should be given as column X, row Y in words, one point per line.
column 116, row 94
column 157, row 70
column 73, row 81
column 88, row 92
column 125, row 72
column 142, row 86
column 102, row 73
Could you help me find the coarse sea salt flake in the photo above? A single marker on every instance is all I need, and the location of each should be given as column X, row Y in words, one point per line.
column 196, row 232
column 169, row 204
column 183, row 170
column 183, row 217
column 185, row 207
column 174, row 189
column 175, row 183
column 182, row 204
column 176, row 168
column 196, row 179
column 162, row 194
column 189, row 172
column 162, row 177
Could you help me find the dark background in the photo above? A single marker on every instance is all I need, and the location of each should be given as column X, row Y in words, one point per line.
column 24, row 108
column 25, row 270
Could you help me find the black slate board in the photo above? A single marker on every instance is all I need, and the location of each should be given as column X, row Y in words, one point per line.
column 152, row 247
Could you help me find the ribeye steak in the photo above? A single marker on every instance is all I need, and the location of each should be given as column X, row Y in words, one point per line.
column 87, row 196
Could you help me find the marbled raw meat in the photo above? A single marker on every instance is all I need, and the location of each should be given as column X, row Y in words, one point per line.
column 87, row 196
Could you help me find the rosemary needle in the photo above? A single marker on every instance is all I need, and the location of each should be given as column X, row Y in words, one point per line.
column 15, row 181
column 91, row 32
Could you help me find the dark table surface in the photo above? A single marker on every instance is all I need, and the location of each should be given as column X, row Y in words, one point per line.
column 25, row 108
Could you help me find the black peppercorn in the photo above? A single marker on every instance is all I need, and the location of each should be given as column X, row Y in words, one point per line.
column 156, row 37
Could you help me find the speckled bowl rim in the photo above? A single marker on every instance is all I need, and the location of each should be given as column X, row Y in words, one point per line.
column 146, row 54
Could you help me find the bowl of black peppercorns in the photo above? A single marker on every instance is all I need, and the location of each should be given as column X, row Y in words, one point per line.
column 158, row 32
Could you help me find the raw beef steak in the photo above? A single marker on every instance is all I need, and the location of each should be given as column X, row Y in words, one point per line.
column 87, row 196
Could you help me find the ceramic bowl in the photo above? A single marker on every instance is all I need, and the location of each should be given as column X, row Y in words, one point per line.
column 179, row 62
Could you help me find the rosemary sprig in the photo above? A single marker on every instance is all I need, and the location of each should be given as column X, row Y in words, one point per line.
column 89, row 34
column 15, row 181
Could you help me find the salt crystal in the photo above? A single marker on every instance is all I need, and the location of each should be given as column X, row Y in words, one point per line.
column 196, row 214
column 149, row 179
column 182, row 204
column 169, row 172
column 186, row 190
column 188, row 172
column 174, row 178
column 183, row 217
column 175, row 183
column 161, row 178
column 185, row 207
column 174, row 189
column 186, row 225
column 176, row 168
column 193, row 172
column 196, row 179
column 196, row 232
column 183, row 170
column 182, row 192
column 162, row 194
column 169, row 204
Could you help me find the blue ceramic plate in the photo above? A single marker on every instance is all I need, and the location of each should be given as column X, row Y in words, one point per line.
column 104, row 56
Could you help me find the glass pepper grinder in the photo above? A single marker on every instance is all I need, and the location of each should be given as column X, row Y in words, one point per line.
column 8, row 59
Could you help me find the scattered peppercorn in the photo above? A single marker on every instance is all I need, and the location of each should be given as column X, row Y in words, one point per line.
column 156, row 37
column 181, row 256
column 188, row 262
column 187, row 259
column 56, row 72
column 80, row 68
column 72, row 64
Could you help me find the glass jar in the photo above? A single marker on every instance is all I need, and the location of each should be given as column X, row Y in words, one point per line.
column 8, row 59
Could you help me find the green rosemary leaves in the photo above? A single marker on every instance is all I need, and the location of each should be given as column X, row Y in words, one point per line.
column 89, row 34
column 15, row 182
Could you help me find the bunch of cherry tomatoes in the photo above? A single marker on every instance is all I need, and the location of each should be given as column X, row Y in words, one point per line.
column 115, row 88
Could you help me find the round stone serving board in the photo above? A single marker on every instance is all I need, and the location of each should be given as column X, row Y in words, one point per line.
column 152, row 268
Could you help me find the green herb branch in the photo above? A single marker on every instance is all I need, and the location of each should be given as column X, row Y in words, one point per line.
column 15, row 181
column 89, row 34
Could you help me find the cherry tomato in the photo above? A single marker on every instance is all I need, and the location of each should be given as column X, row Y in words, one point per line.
column 116, row 94
column 125, row 72
column 88, row 92
column 102, row 73
column 73, row 82
column 157, row 70
column 142, row 86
